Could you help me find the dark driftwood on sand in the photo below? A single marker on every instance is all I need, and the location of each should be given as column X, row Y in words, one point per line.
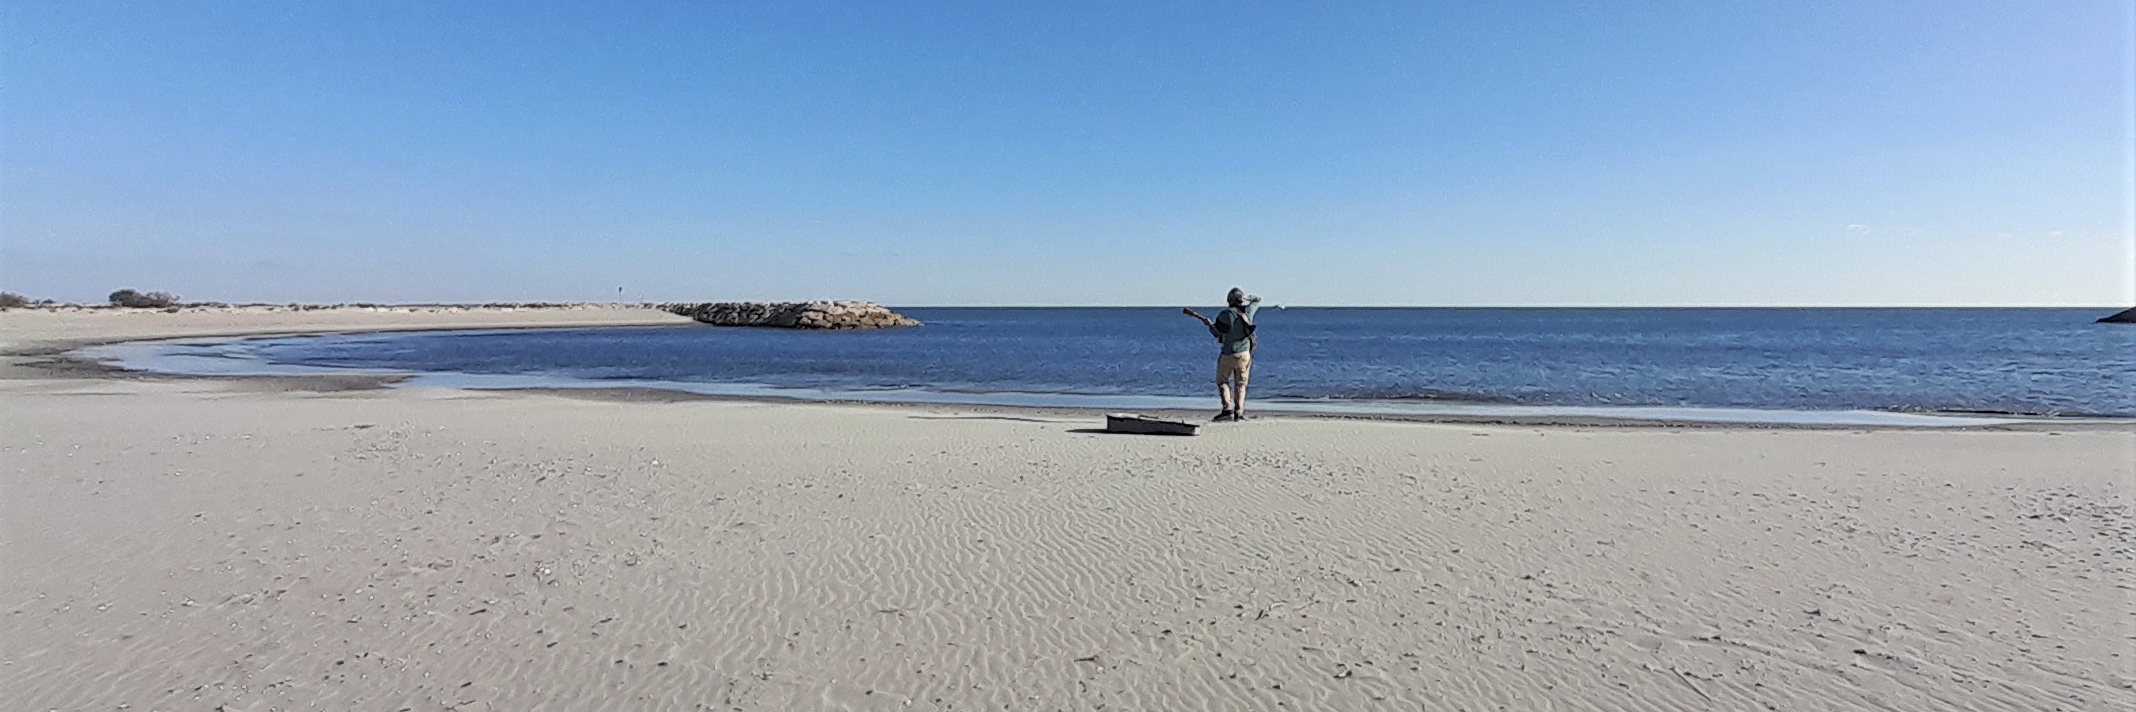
column 1145, row 425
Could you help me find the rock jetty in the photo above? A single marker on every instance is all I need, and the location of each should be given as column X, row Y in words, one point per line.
column 795, row 315
column 2127, row 316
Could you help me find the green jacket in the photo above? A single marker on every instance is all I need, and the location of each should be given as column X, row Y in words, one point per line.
column 1234, row 332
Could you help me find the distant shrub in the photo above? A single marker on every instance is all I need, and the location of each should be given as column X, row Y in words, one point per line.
column 136, row 300
column 11, row 300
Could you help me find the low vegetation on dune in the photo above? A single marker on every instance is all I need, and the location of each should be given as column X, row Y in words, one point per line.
column 139, row 300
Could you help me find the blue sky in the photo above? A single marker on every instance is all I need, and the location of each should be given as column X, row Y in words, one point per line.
column 1403, row 153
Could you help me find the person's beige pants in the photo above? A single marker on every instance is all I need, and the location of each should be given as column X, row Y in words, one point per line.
column 1233, row 369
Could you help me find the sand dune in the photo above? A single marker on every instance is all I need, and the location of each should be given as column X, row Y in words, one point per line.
column 202, row 544
column 32, row 329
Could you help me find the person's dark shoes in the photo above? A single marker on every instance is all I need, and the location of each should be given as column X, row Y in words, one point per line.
column 1237, row 416
column 1224, row 417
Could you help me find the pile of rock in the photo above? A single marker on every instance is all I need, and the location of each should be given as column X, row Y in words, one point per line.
column 795, row 315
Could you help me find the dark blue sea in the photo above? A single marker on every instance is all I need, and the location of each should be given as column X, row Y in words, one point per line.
column 1731, row 364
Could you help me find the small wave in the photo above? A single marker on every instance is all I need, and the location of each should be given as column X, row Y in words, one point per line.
column 1405, row 396
column 2007, row 412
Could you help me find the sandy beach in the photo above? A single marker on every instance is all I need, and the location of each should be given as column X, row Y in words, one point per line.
column 201, row 544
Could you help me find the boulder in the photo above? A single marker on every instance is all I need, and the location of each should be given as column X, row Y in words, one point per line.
column 2126, row 316
column 794, row 315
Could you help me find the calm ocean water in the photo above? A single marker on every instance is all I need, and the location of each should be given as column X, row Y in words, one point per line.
column 2022, row 361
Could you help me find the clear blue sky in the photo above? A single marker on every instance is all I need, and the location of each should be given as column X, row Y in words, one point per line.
column 917, row 153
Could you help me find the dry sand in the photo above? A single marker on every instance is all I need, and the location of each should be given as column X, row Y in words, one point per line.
column 207, row 544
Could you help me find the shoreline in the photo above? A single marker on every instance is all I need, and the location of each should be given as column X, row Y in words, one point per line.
column 52, row 357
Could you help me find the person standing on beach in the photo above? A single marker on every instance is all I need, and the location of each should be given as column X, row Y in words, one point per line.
column 1235, row 340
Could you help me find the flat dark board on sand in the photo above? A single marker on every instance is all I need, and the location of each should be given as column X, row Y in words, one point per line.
column 1145, row 425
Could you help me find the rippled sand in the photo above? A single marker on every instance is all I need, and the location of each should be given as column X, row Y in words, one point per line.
column 193, row 543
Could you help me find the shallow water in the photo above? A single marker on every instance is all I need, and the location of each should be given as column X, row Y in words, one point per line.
column 1866, row 366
